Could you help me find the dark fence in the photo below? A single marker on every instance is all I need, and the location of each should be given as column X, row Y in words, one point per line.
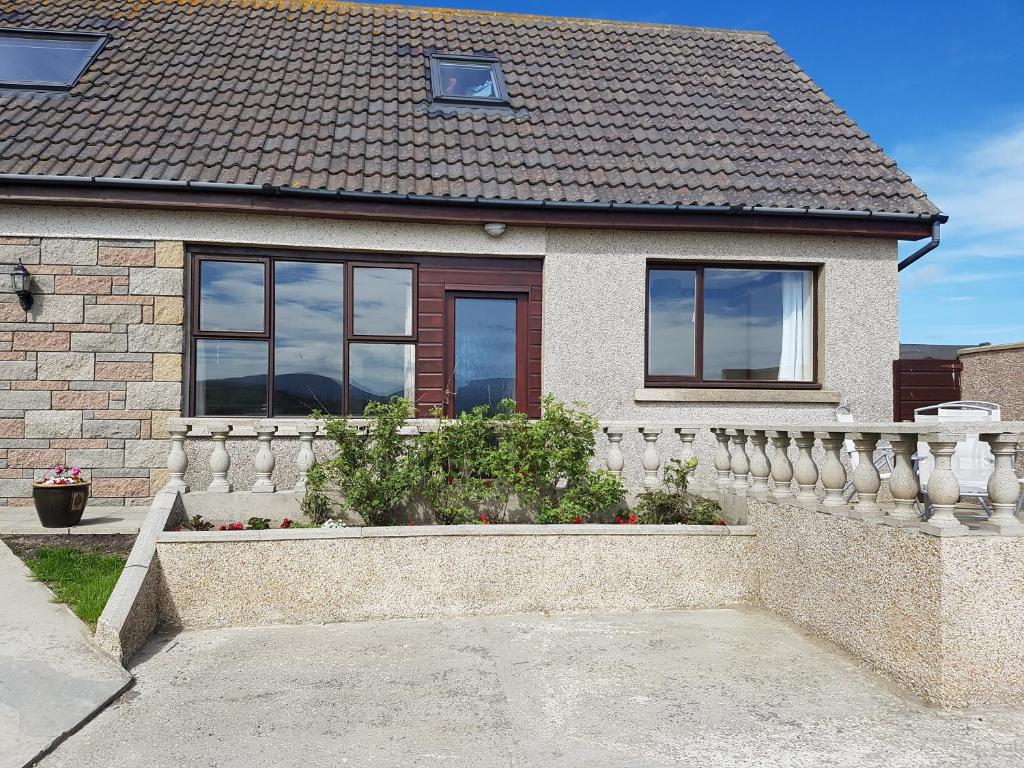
column 917, row 383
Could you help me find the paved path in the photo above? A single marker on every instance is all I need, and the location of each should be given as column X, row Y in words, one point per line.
column 51, row 676
column 699, row 688
column 23, row 520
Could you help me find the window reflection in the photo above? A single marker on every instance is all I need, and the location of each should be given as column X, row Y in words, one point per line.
column 467, row 80
column 231, row 377
column 671, row 296
column 378, row 372
column 53, row 60
column 485, row 352
column 382, row 301
column 231, row 295
column 308, row 336
column 758, row 325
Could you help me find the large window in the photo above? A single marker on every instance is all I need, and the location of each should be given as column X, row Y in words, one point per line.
column 729, row 326
column 470, row 80
column 280, row 336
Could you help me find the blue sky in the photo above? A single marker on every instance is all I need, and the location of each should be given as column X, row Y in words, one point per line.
column 940, row 85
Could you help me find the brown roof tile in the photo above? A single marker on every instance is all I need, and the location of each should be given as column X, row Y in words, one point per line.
column 323, row 94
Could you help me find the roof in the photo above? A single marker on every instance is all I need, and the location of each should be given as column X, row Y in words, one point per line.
column 335, row 96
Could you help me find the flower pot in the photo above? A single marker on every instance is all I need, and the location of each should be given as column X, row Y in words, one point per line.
column 60, row 506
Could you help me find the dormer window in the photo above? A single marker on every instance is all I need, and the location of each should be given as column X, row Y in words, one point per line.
column 45, row 60
column 471, row 80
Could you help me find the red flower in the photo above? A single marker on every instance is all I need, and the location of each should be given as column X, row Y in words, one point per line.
column 483, row 519
column 286, row 523
column 633, row 519
column 719, row 521
column 619, row 520
column 577, row 520
column 235, row 527
column 222, row 528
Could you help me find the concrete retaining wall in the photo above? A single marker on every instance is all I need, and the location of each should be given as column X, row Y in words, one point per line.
column 943, row 617
column 314, row 576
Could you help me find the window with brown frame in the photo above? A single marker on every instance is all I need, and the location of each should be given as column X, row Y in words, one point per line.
column 283, row 335
column 730, row 326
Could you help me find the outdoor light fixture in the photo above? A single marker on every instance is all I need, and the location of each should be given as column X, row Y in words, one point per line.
column 494, row 229
column 21, row 281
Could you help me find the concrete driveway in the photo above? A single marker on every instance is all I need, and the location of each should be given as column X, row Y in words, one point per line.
column 697, row 688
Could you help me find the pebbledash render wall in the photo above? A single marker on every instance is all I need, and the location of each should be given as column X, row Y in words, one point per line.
column 91, row 375
column 995, row 374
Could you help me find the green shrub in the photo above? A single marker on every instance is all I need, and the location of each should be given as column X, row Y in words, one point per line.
column 674, row 503
column 479, row 458
column 373, row 467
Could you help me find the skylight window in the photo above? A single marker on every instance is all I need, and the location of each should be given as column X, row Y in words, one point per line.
column 50, row 60
column 472, row 80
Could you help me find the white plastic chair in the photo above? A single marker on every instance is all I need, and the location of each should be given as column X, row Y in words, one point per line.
column 972, row 461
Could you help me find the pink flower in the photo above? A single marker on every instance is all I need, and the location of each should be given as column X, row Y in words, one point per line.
column 75, row 471
column 59, row 469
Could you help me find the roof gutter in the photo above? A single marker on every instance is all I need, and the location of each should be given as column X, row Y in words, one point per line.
column 928, row 247
column 479, row 202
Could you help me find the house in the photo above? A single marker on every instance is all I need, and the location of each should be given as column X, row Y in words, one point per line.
column 245, row 210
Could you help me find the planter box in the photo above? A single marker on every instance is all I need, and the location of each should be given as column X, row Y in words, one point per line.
column 250, row 578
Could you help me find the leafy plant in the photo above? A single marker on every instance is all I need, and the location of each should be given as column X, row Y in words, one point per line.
column 197, row 523
column 258, row 523
column 373, row 467
column 674, row 504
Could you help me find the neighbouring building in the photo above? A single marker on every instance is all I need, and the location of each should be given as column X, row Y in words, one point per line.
column 994, row 373
column 246, row 210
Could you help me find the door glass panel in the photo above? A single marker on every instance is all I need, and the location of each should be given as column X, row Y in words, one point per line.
column 378, row 372
column 485, row 352
column 671, row 301
column 309, row 330
column 231, row 296
column 382, row 301
column 231, row 377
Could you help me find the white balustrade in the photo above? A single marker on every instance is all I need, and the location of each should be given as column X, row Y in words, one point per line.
column 782, row 468
column 686, row 436
column 220, row 461
column 1004, row 488
column 614, row 461
column 760, row 469
column 306, row 459
column 740, row 463
column 866, row 480
column 651, row 459
column 723, row 461
column 903, row 483
column 833, row 474
column 177, row 459
column 264, row 460
column 805, row 471
column 943, row 489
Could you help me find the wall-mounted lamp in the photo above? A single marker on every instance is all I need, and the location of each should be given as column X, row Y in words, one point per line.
column 21, row 281
column 494, row 229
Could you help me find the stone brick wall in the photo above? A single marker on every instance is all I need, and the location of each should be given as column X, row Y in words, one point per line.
column 91, row 374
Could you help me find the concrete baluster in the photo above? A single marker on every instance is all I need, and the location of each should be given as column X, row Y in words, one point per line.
column 177, row 459
column 651, row 459
column 686, row 436
column 723, row 461
column 866, row 480
column 805, row 471
column 943, row 488
column 264, row 460
column 306, row 459
column 220, row 461
column 759, row 467
column 903, row 483
column 1003, row 485
column 833, row 473
column 615, row 461
column 740, row 463
column 782, row 468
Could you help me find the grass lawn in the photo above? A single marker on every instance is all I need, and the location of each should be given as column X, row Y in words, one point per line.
column 83, row 580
